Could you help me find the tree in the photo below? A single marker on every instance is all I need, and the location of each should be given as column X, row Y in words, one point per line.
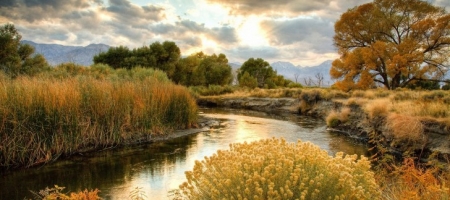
column 115, row 57
column 257, row 68
column 319, row 77
column 212, row 70
column 248, row 81
column 166, row 56
column 17, row 58
column 393, row 43
column 161, row 56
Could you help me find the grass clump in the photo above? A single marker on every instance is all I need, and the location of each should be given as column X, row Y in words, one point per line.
column 335, row 118
column 413, row 182
column 405, row 128
column 377, row 108
column 275, row 169
column 212, row 90
column 42, row 119
column 57, row 193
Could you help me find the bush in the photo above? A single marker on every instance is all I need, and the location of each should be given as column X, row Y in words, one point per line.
column 405, row 128
column 212, row 90
column 275, row 169
column 333, row 119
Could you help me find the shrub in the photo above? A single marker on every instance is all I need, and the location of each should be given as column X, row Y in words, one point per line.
column 377, row 108
column 311, row 96
column 333, row 119
column 414, row 183
column 57, row 193
column 275, row 169
column 212, row 90
column 405, row 128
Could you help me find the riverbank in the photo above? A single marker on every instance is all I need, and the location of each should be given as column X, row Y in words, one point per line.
column 396, row 124
column 43, row 118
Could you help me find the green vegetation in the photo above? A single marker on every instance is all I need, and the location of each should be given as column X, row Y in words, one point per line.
column 198, row 69
column 16, row 58
column 258, row 73
column 275, row 169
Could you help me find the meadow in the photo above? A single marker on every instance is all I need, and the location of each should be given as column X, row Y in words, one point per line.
column 73, row 110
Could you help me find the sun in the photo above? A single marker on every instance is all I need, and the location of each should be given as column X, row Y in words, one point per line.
column 250, row 32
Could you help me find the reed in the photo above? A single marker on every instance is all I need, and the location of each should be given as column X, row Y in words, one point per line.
column 44, row 118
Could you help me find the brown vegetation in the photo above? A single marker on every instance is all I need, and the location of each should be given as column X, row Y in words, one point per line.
column 44, row 118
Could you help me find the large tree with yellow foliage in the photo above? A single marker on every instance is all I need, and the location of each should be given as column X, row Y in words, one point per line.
column 392, row 43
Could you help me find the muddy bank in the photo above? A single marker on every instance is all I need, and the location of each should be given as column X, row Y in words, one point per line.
column 434, row 142
column 287, row 105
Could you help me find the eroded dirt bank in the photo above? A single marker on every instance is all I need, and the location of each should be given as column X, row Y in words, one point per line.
column 432, row 144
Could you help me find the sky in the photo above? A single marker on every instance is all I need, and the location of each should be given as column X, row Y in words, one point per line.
column 296, row 31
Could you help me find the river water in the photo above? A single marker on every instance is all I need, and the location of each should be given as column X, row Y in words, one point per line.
column 159, row 167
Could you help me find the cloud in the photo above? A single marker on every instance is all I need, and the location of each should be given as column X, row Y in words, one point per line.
column 138, row 16
column 258, row 7
column 313, row 33
column 441, row 3
column 35, row 10
column 187, row 29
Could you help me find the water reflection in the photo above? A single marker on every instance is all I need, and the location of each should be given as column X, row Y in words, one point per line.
column 158, row 168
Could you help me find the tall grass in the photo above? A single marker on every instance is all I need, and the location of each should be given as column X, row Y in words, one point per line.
column 43, row 118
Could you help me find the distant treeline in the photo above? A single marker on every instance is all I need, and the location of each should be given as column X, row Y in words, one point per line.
column 197, row 69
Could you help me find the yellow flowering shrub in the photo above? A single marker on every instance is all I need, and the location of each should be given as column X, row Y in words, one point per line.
column 276, row 169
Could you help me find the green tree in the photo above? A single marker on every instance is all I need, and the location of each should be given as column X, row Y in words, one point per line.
column 248, row 81
column 185, row 69
column 166, row 56
column 201, row 69
column 392, row 43
column 115, row 57
column 257, row 68
column 17, row 58
column 215, row 70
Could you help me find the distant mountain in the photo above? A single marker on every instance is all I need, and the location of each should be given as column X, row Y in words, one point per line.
column 57, row 54
column 304, row 75
column 235, row 66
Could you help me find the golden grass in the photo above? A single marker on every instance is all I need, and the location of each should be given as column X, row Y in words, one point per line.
column 411, row 182
column 405, row 128
column 275, row 169
column 57, row 193
column 335, row 118
column 41, row 119
column 377, row 108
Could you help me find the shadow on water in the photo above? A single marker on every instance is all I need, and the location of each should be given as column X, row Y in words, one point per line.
column 159, row 167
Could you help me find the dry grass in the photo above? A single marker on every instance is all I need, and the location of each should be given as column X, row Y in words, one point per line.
column 335, row 118
column 405, row 128
column 377, row 108
column 41, row 119
column 411, row 182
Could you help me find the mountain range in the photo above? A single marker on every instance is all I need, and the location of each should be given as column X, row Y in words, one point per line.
column 56, row 54
column 83, row 55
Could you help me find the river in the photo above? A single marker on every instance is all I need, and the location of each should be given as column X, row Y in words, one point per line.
column 159, row 167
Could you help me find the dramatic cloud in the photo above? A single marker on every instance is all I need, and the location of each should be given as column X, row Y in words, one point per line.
column 315, row 31
column 36, row 10
column 191, row 29
column 248, row 7
column 299, row 31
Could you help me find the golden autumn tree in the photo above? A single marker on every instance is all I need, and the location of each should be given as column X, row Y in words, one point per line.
column 392, row 43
